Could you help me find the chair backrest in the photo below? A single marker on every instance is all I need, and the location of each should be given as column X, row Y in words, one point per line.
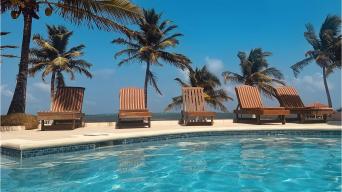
column 68, row 99
column 248, row 97
column 132, row 99
column 288, row 97
column 193, row 99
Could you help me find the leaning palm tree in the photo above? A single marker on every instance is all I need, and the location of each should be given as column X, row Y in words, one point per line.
column 214, row 95
column 52, row 57
column 93, row 13
column 150, row 45
column 326, row 50
column 255, row 71
column 3, row 47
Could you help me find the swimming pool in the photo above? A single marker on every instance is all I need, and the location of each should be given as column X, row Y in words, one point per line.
column 215, row 163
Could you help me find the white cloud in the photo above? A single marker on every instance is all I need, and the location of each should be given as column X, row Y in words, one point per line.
column 230, row 90
column 5, row 91
column 311, row 83
column 184, row 74
column 214, row 65
column 45, row 87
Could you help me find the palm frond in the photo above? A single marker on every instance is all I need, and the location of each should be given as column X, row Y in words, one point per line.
column 175, row 104
column 153, row 81
column 178, row 60
column 233, row 77
column 298, row 67
column 129, row 52
column 75, row 51
column 129, row 59
column 273, row 72
column 181, row 83
column 44, row 44
column 122, row 41
column 311, row 37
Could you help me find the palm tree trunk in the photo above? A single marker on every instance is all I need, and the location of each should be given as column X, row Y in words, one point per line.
column 326, row 86
column 52, row 88
column 146, row 82
column 18, row 103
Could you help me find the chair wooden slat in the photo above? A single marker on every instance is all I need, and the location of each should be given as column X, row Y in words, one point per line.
column 66, row 106
column 248, row 97
column 68, row 99
column 193, row 99
column 288, row 97
column 132, row 99
column 132, row 106
column 194, row 105
column 250, row 103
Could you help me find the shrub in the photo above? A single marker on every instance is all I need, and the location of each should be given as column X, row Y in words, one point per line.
column 20, row 119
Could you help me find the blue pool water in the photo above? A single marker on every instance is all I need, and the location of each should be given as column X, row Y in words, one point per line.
column 206, row 164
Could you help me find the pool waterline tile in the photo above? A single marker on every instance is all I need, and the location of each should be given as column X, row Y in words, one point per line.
column 22, row 154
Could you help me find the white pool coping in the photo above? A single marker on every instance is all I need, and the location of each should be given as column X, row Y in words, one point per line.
column 102, row 132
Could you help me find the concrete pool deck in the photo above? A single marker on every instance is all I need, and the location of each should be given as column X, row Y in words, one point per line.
column 102, row 132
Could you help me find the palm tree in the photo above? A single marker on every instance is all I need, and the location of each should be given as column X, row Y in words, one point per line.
column 255, row 71
column 92, row 13
column 214, row 96
column 326, row 50
column 52, row 57
column 150, row 45
column 2, row 47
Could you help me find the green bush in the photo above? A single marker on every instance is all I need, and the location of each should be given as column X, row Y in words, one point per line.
column 20, row 119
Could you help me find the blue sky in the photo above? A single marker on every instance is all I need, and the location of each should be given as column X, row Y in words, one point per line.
column 214, row 31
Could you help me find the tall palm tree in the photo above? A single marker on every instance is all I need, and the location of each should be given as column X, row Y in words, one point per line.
column 2, row 47
column 92, row 13
column 255, row 71
column 326, row 49
column 150, row 45
column 214, row 95
column 52, row 57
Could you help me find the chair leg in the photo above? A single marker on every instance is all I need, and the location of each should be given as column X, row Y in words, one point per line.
column 42, row 125
column 73, row 124
column 236, row 118
column 181, row 121
column 186, row 121
column 149, row 122
column 301, row 118
column 325, row 117
column 212, row 120
column 258, row 119
column 82, row 122
column 283, row 120
column 118, row 123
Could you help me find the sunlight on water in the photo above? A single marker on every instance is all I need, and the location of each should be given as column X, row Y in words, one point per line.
column 255, row 163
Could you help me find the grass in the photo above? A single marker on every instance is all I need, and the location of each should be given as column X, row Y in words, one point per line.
column 20, row 119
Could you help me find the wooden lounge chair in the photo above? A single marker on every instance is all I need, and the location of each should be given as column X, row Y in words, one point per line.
column 132, row 107
column 66, row 109
column 289, row 98
column 194, row 107
column 250, row 103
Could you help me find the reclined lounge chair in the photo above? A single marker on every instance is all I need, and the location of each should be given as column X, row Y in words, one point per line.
column 133, row 108
column 66, row 109
column 250, row 102
column 194, row 107
column 289, row 98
